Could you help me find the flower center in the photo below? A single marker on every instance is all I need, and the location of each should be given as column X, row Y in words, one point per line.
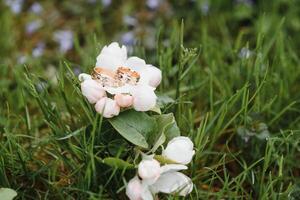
column 118, row 78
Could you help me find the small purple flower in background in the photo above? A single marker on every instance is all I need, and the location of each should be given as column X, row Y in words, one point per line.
column 246, row 2
column 128, row 39
column 92, row 1
column 15, row 5
column 65, row 40
column 33, row 26
column 205, row 8
column 106, row 3
column 129, row 20
column 245, row 53
column 41, row 86
column 77, row 70
column 36, row 8
column 153, row 4
column 38, row 50
column 21, row 59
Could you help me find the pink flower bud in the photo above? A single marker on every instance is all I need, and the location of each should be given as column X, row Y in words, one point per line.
column 124, row 100
column 107, row 107
column 180, row 149
column 134, row 189
column 149, row 170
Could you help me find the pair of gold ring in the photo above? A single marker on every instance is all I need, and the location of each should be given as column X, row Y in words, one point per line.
column 122, row 76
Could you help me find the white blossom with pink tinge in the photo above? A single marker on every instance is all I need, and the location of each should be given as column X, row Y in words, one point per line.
column 130, row 81
column 154, row 178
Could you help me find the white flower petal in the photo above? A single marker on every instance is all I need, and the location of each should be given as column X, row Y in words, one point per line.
column 173, row 182
column 149, row 170
column 137, row 190
column 124, row 100
column 180, row 150
column 112, row 56
column 107, row 107
column 150, row 75
column 144, row 98
column 83, row 76
column 146, row 193
column 92, row 90
column 116, row 50
column 134, row 189
column 172, row 168
column 135, row 63
column 110, row 62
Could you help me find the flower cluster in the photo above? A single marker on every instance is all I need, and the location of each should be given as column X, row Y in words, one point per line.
column 119, row 82
column 153, row 177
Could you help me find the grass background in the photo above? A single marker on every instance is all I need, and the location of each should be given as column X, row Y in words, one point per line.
column 232, row 68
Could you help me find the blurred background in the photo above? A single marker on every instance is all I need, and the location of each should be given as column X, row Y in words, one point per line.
column 31, row 30
column 239, row 87
column 42, row 34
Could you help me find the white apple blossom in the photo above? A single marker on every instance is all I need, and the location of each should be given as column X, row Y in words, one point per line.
column 180, row 150
column 113, row 57
column 168, row 181
column 107, row 107
column 130, row 81
column 155, row 178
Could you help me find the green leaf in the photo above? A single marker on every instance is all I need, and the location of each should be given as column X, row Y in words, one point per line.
column 7, row 194
column 156, row 109
column 134, row 126
column 117, row 163
column 164, row 100
column 168, row 129
column 159, row 141
column 74, row 133
column 167, row 125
